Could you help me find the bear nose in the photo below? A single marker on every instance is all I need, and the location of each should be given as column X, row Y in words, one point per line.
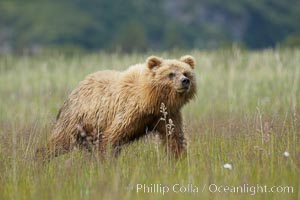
column 185, row 82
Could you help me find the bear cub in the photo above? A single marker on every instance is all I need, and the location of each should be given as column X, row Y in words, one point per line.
column 112, row 108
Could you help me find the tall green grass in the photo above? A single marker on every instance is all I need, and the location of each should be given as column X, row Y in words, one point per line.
column 246, row 114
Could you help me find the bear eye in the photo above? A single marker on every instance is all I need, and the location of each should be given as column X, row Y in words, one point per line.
column 185, row 74
column 171, row 75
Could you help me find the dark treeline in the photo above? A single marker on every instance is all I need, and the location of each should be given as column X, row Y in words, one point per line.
column 142, row 24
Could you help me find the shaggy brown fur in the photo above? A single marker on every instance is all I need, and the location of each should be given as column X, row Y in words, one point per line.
column 119, row 106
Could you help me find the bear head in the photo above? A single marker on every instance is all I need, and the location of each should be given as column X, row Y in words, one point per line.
column 173, row 79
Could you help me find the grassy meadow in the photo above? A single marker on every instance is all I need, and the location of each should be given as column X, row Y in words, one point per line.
column 246, row 114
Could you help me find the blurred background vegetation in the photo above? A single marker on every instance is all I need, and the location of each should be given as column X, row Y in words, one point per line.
column 141, row 25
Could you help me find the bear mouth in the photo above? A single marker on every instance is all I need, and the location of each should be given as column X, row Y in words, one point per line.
column 183, row 89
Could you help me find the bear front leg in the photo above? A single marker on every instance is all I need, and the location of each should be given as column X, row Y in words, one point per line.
column 172, row 135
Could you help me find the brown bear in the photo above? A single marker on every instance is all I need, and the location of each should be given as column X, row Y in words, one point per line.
column 118, row 106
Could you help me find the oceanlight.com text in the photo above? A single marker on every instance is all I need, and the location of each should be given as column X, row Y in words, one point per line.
column 249, row 189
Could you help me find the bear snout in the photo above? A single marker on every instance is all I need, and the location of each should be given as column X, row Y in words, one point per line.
column 185, row 82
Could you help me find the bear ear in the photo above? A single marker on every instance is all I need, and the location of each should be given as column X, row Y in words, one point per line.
column 153, row 61
column 188, row 60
